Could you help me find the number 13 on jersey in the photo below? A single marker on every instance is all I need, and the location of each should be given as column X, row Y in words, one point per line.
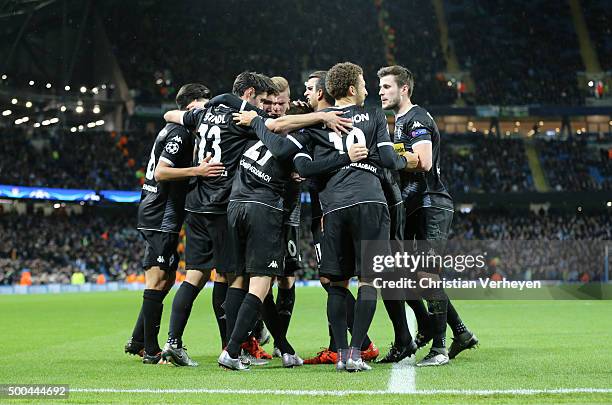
column 210, row 134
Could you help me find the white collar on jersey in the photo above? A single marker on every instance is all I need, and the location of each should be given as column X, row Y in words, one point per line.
column 342, row 106
column 406, row 112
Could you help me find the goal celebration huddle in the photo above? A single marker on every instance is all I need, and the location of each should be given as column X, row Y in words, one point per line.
column 232, row 168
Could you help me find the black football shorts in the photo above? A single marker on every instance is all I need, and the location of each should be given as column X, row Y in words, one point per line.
column 343, row 231
column 257, row 239
column 207, row 246
column 160, row 250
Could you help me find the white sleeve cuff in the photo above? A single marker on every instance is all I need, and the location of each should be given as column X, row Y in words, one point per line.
column 302, row 155
column 295, row 141
column 166, row 160
column 420, row 142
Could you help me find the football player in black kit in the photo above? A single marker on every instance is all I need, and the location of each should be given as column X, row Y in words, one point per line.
column 217, row 138
column 429, row 213
column 160, row 218
column 318, row 98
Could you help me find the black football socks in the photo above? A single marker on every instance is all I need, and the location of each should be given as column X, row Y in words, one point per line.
column 218, row 298
column 181, row 309
column 152, row 308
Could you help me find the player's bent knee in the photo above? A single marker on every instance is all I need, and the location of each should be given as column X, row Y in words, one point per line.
column 197, row 278
column 259, row 286
column 155, row 278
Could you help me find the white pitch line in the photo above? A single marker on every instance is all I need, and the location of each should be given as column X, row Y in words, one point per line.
column 403, row 374
column 344, row 393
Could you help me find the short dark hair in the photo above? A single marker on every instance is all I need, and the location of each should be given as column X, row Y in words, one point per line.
column 190, row 92
column 402, row 76
column 246, row 80
column 341, row 77
column 322, row 76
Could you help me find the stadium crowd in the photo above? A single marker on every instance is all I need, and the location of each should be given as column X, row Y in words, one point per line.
column 497, row 42
column 90, row 159
column 500, row 43
column 472, row 162
column 576, row 165
column 53, row 248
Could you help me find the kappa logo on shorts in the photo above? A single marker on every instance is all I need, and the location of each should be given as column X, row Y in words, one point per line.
column 160, row 259
column 273, row 264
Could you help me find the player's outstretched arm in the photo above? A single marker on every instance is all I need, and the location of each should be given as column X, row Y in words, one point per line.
column 235, row 102
column 280, row 147
column 165, row 172
column 307, row 167
column 332, row 120
column 174, row 116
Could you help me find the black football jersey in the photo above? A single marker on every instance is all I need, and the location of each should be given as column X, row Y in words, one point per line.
column 356, row 182
column 162, row 204
column 421, row 189
column 219, row 136
column 261, row 178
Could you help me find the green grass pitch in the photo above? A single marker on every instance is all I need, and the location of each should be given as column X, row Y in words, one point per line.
column 78, row 339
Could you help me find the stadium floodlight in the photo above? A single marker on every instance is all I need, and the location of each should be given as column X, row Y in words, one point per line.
column 73, row 129
column 18, row 121
column 6, row 113
column 45, row 123
column 14, row 101
column 96, row 109
column 28, row 104
column 94, row 90
column 31, row 83
column 609, row 203
column 100, row 122
column 67, row 88
column 103, row 87
column 591, row 83
column 63, row 108
column 37, row 125
column 91, row 124
column 48, row 85
column 54, row 120
column 4, row 77
column 79, row 109
column 81, row 127
column 83, row 89
column 25, row 119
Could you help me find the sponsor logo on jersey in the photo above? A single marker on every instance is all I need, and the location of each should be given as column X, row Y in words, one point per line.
column 417, row 124
column 172, row 148
column 250, row 168
column 160, row 259
column 273, row 264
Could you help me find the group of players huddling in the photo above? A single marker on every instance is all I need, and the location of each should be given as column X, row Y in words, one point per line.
column 231, row 168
